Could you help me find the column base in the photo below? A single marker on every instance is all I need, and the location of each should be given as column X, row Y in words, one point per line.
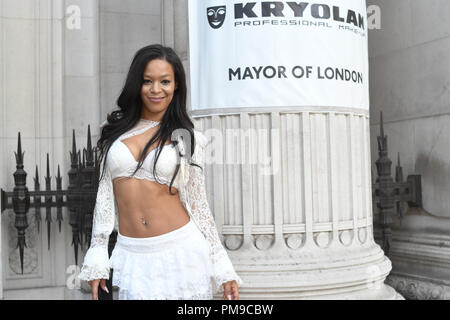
column 420, row 254
column 385, row 292
column 352, row 273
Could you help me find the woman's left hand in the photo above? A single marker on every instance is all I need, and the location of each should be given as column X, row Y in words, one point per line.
column 230, row 290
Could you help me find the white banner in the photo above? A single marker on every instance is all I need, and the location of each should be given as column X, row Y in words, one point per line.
column 278, row 53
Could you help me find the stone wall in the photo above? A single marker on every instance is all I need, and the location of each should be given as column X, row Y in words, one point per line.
column 125, row 27
column 410, row 83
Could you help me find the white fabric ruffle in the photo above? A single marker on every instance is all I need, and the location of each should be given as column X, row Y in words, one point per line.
column 98, row 259
column 174, row 265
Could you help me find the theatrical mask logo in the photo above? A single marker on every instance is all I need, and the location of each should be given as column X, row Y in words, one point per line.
column 216, row 16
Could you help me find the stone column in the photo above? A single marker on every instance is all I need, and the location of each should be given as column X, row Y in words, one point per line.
column 305, row 231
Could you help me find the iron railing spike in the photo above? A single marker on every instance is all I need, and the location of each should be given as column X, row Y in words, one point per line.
column 48, row 201
column 37, row 201
column 48, row 234
column 74, row 144
column 19, row 145
column 21, row 252
column 48, row 165
column 89, row 143
column 59, row 200
column 80, row 196
column 19, row 154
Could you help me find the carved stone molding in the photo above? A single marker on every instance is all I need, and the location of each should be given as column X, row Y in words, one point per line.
column 418, row 289
column 362, row 235
column 322, row 239
column 346, row 237
column 233, row 242
column 264, row 241
column 295, row 241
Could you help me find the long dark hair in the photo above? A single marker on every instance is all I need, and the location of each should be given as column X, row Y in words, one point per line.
column 130, row 106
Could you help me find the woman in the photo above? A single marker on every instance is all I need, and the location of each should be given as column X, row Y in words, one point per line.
column 152, row 169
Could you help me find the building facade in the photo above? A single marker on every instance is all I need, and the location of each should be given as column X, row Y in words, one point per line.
column 305, row 232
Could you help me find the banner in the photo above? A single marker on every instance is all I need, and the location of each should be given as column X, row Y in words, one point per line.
column 278, row 54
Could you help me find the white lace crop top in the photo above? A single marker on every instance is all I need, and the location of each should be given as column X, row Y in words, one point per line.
column 122, row 163
column 190, row 183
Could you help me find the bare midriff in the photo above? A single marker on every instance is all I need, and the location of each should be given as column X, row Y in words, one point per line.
column 146, row 208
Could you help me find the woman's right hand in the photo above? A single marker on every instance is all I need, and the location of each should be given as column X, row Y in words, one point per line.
column 94, row 287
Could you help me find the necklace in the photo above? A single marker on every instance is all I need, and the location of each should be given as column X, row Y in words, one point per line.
column 151, row 122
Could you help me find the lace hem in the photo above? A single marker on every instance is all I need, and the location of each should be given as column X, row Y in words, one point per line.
column 223, row 271
column 90, row 273
column 95, row 264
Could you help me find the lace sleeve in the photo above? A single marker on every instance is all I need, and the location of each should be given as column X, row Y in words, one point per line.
column 196, row 197
column 96, row 260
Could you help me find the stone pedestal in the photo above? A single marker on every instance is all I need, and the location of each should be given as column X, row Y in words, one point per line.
column 420, row 256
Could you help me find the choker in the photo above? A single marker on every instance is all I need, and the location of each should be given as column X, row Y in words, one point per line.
column 152, row 122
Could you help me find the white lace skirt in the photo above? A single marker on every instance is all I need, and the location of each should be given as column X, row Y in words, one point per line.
column 175, row 265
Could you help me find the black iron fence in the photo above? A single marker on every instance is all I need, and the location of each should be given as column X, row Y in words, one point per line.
column 79, row 199
column 388, row 195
